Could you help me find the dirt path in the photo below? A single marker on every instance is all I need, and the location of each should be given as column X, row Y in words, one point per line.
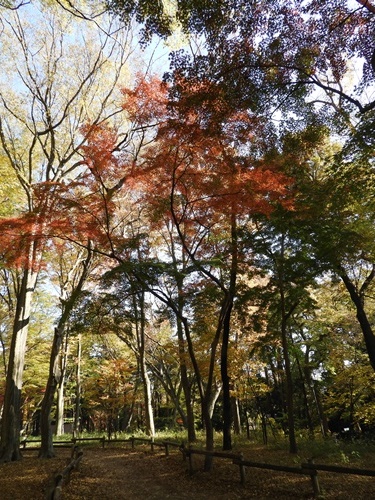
column 125, row 474
column 121, row 473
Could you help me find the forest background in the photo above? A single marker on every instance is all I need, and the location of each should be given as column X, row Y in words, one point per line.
column 193, row 245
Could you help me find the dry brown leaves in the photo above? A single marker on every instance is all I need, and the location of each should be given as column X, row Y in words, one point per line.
column 122, row 473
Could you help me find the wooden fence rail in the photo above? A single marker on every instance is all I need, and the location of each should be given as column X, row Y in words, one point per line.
column 103, row 440
column 62, row 478
column 308, row 469
column 165, row 444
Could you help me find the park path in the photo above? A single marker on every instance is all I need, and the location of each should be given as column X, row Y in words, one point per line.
column 119, row 474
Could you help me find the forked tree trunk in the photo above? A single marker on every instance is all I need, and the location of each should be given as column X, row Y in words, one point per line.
column 11, row 421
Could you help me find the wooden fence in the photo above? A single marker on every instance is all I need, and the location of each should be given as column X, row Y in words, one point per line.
column 63, row 477
column 308, row 469
column 30, row 444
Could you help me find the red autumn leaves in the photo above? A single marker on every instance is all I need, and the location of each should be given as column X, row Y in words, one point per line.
column 169, row 161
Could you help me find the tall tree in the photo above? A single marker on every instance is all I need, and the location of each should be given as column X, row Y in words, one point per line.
column 202, row 182
column 70, row 292
column 54, row 78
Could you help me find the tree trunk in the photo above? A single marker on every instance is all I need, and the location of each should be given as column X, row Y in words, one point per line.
column 68, row 301
column 185, row 382
column 11, row 421
column 60, row 407
column 304, row 384
column 227, row 406
column 236, row 415
column 140, row 326
column 358, row 300
column 207, row 418
column 228, row 306
column 46, row 448
column 77, row 406
column 61, row 391
column 322, row 416
column 289, row 391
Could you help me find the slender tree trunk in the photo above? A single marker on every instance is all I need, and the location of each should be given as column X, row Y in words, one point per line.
column 227, row 406
column 285, row 315
column 305, row 383
column 61, row 391
column 228, row 306
column 11, row 421
column 140, row 325
column 322, row 416
column 60, row 407
column 209, row 430
column 68, row 301
column 236, row 415
column 289, row 390
column 186, row 383
column 46, row 448
column 77, row 406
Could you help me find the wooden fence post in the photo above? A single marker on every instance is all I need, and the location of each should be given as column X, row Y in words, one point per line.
column 242, row 469
column 183, row 451
column 314, row 479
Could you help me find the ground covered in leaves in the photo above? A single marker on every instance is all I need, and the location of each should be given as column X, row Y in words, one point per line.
column 122, row 473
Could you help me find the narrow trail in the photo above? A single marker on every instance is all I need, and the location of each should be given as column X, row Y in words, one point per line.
column 126, row 474
column 119, row 474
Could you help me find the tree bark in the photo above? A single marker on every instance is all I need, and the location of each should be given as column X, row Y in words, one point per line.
column 61, row 391
column 77, row 405
column 46, row 448
column 11, row 421
column 140, row 327
column 357, row 297
column 236, row 415
column 227, row 406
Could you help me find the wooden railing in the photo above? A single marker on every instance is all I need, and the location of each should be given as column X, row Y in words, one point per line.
column 309, row 469
column 63, row 477
column 103, row 440
column 67, row 444
column 152, row 443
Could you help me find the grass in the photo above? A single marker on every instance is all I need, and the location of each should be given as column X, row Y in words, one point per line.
column 358, row 453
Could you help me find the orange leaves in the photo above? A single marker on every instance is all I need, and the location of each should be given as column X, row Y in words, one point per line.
column 99, row 152
column 146, row 103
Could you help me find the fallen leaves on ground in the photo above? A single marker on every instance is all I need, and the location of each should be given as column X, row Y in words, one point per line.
column 123, row 473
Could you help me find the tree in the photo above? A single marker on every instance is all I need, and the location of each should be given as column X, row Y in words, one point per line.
column 203, row 185
column 47, row 95
column 69, row 295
